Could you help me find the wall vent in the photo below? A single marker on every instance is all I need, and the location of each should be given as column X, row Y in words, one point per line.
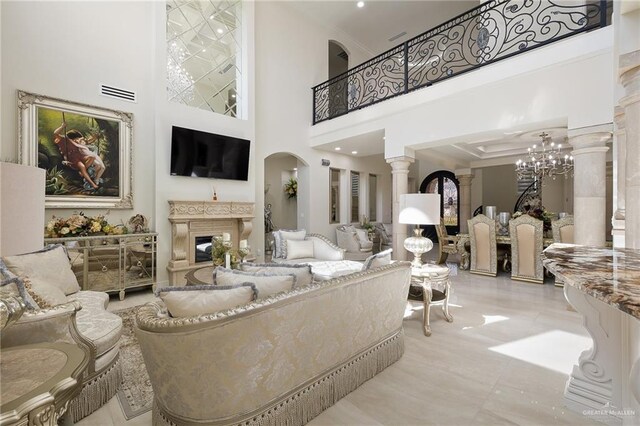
column 397, row 36
column 117, row 93
column 225, row 69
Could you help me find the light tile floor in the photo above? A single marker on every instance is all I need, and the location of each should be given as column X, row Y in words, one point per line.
column 504, row 360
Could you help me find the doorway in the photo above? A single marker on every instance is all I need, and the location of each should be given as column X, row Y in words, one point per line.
column 338, row 65
column 446, row 184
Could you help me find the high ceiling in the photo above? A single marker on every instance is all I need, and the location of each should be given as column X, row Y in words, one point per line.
column 379, row 20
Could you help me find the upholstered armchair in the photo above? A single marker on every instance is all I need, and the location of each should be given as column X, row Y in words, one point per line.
column 354, row 241
column 562, row 230
column 484, row 255
column 384, row 234
column 526, row 249
column 446, row 243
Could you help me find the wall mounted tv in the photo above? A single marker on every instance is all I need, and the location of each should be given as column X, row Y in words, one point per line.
column 200, row 154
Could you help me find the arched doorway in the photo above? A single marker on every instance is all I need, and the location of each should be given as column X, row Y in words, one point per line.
column 444, row 182
column 338, row 65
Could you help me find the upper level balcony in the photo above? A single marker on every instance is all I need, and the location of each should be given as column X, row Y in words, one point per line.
column 495, row 30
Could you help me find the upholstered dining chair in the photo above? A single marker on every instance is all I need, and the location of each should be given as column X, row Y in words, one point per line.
column 526, row 249
column 446, row 243
column 562, row 230
column 484, row 255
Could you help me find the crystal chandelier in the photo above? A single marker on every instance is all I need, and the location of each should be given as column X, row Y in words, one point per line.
column 545, row 160
column 179, row 81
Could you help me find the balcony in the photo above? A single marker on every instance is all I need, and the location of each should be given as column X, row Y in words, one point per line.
column 493, row 31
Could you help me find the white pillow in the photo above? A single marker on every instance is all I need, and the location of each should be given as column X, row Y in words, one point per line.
column 377, row 260
column 49, row 266
column 299, row 249
column 266, row 284
column 301, row 271
column 289, row 235
column 43, row 294
column 363, row 236
column 208, row 299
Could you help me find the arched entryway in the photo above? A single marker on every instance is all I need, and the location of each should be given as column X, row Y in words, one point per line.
column 338, row 65
column 446, row 184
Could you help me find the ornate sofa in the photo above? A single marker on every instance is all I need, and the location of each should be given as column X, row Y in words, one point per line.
column 282, row 360
column 96, row 328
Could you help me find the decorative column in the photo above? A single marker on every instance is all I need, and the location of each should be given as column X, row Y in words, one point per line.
column 620, row 152
column 589, row 183
column 399, row 186
column 630, row 79
column 465, row 199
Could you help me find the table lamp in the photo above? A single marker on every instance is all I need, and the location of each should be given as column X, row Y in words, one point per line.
column 419, row 209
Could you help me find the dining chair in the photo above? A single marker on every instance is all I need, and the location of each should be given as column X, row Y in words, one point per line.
column 447, row 244
column 562, row 230
column 484, row 256
column 526, row 249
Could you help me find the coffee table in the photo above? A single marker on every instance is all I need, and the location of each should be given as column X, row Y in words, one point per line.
column 425, row 278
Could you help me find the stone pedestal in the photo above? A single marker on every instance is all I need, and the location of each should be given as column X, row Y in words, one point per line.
column 465, row 201
column 630, row 79
column 400, row 186
column 590, row 180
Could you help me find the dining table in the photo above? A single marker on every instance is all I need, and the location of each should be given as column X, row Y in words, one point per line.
column 464, row 243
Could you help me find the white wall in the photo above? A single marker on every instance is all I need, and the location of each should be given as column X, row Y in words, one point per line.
column 66, row 50
column 292, row 57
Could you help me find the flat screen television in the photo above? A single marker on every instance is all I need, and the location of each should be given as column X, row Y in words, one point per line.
column 201, row 154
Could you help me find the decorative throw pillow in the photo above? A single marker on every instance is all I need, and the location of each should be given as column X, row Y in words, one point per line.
column 277, row 250
column 289, row 235
column 206, row 299
column 362, row 234
column 49, row 266
column 45, row 295
column 299, row 249
column 302, row 271
column 266, row 283
column 11, row 284
column 377, row 260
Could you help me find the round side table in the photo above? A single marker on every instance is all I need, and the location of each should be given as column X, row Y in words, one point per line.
column 427, row 277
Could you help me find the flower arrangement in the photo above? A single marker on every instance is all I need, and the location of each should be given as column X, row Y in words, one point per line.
column 291, row 188
column 539, row 213
column 79, row 225
column 220, row 249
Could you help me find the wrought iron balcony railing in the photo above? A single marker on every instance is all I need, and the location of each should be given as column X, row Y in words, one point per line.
column 495, row 30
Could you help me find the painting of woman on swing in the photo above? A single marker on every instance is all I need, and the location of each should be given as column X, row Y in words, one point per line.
column 79, row 152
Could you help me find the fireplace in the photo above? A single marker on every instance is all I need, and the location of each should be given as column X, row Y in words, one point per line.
column 194, row 223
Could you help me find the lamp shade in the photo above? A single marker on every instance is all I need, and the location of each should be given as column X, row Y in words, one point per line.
column 420, row 209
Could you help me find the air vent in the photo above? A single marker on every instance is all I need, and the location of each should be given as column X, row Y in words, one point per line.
column 225, row 69
column 115, row 92
column 397, row 36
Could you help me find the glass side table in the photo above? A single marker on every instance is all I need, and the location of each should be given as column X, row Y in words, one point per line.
column 425, row 278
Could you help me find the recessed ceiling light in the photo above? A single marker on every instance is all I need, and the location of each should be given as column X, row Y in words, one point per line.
column 295, row 169
column 360, row 4
column 354, row 152
column 204, row 50
column 337, row 148
column 220, row 30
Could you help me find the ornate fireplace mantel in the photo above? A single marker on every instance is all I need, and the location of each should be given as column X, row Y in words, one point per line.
column 193, row 219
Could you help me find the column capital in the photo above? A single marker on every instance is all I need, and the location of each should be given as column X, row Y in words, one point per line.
column 582, row 140
column 464, row 180
column 400, row 164
column 629, row 74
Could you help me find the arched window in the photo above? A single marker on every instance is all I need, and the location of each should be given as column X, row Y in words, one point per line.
column 444, row 183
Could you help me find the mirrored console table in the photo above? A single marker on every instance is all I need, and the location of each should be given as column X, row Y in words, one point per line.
column 112, row 263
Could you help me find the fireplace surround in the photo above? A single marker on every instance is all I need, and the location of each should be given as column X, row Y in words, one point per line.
column 191, row 220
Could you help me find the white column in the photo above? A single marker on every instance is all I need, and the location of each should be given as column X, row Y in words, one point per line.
column 465, row 199
column 620, row 160
column 630, row 79
column 589, row 184
column 400, row 186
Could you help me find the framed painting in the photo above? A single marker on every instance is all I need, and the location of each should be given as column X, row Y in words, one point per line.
column 85, row 151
